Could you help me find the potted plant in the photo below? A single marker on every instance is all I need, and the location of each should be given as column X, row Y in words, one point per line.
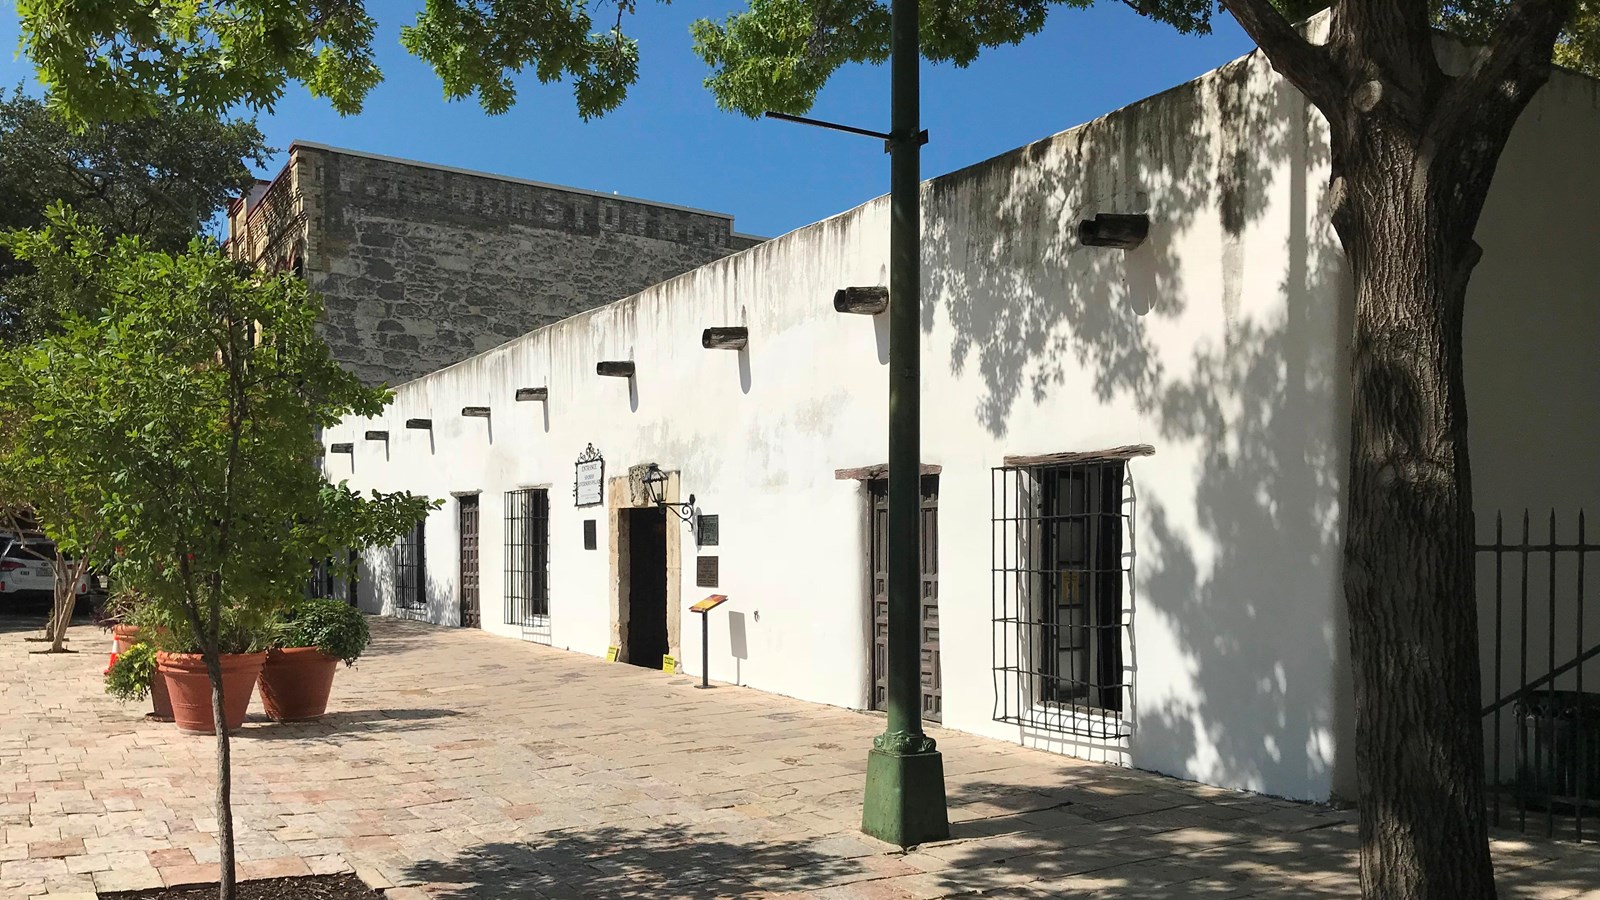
column 132, row 674
column 241, row 642
column 120, row 613
column 308, row 643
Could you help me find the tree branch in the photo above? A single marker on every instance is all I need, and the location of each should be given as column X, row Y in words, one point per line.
column 1310, row 68
column 1506, row 74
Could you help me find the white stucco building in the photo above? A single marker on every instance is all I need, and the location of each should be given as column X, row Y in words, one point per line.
column 1169, row 598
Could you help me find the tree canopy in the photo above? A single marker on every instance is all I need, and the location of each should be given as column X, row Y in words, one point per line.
column 188, row 406
column 181, row 413
column 121, row 58
column 159, row 176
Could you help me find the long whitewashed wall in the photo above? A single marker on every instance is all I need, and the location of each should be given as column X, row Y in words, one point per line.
column 1221, row 342
column 1214, row 342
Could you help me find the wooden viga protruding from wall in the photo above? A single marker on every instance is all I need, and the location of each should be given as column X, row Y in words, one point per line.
column 616, row 368
column 733, row 337
column 475, row 412
column 861, row 301
column 1119, row 231
column 423, row 424
column 528, row 395
column 377, row 435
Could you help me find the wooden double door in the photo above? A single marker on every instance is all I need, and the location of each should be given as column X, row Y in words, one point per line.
column 471, row 600
column 928, row 585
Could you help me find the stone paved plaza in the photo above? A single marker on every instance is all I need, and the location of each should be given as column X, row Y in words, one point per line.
column 459, row 765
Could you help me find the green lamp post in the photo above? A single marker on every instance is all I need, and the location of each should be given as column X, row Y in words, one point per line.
column 905, row 802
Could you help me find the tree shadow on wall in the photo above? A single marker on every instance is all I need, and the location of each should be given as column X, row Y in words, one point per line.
column 1252, row 392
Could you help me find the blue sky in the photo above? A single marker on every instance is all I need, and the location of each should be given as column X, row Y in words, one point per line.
column 670, row 143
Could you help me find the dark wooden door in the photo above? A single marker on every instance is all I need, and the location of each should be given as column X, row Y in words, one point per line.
column 647, row 587
column 877, row 566
column 471, row 609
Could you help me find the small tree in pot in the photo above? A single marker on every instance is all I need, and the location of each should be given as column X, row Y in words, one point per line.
column 195, row 394
column 308, row 643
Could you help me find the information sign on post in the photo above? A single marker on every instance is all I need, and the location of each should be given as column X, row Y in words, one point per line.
column 704, row 608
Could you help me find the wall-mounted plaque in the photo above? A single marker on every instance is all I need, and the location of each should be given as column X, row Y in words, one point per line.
column 590, row 540
column 589, row 487
column 710, row 531
column 705, row 571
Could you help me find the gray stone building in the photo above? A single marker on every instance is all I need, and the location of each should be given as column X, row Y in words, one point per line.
column 423, row 265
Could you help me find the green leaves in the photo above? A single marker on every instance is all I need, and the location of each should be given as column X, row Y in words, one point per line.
column 779, row 53
column 160, row 178
column 115, row 58
column 121, row 58
column 128, row 676
column 334, row 627
column 178, row 416
column 476, row 46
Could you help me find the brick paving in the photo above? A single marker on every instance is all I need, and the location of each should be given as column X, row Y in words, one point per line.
column 458, row 765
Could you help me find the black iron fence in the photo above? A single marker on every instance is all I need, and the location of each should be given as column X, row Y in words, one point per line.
column 1541, row 677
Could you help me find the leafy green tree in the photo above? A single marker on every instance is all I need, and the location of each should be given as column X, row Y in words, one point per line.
column 192, row 400
column 160, row 176
column 43, row 488
column 1414, row 151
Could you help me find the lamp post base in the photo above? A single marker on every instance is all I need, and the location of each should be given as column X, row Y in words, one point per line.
column 905, row 802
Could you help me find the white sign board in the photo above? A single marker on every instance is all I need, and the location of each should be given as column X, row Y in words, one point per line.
column 590, row 487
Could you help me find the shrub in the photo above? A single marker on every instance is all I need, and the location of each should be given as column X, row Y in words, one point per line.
column 128, row 676
column 332, row 626
column 242, row 627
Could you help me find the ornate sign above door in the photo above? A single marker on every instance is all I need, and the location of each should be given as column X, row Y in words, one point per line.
column 589, row 487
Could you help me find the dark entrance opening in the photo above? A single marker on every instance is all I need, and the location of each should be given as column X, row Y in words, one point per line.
column 647, row 586
column 471, row 609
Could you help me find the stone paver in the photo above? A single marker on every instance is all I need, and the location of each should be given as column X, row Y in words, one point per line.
column 458, row 765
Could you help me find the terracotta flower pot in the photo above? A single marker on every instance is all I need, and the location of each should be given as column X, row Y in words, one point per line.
column 295, row 683
column 190, row 688
column 161, row 698
column 124, row 637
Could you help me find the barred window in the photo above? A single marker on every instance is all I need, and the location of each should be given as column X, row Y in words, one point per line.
column 325, row 580
column 411, row 573
column 528, row 557
column 1060, row 584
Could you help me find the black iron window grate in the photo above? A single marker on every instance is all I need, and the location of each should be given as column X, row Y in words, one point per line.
column 411, row 573
column 325, row 580
column 1062, row 551
column 528, row 558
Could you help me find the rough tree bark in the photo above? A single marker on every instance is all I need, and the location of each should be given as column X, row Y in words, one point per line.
column 1413, row 155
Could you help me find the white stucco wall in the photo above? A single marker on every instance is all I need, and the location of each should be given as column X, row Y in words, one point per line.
column 1221, row 342
column 1531, row 333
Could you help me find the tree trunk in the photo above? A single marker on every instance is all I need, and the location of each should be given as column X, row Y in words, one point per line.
column 1413, row 154
column 226, row 886
column 1409, row 577
column 65, row 603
